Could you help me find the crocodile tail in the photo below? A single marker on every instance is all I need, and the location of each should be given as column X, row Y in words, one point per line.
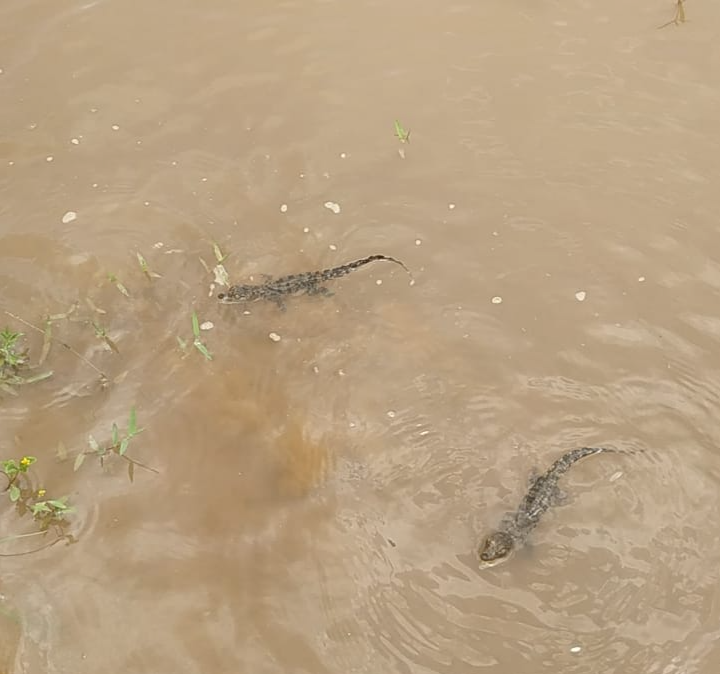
column 345, row 269
column 569, row 458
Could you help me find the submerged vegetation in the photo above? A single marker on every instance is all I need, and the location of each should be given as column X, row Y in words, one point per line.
column 48, row 513
column 15, row 364
column 679, row 15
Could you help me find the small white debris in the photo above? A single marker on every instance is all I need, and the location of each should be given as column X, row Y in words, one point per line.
column 391, row 414
column 332, row 206
column 207, row 325
column 616, row 476
column 342, row 154
column 418, row 242
column 75, row 141
column 316, row 369
column 401, row 152
column 378, row 282
column 306, row 230
column 575, row 649
column 274, row 336
column 341, row 372
column 49, row 159
column 69, row 217
column 204, row 180
column 580, row 295
column 158, row 244
column 641, row 278
column 451, row 206
column 93, row 110
column 115, row 127
column 1, row 71
column 332, row 246
column 146, row 203
column 11, row 163
column 283, row 208
column 496, row 234
column 496, row 300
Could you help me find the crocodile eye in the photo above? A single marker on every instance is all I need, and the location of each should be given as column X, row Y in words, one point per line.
column 221, row 296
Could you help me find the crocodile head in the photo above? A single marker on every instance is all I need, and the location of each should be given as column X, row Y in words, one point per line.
column 496, row 548
column 236, row 294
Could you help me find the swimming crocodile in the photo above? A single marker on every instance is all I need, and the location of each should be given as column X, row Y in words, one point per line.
column 310, row 283
column 543, row 493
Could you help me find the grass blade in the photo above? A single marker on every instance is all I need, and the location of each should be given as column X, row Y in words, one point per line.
column 195, row 326
column 79, row 461
column 47, row 340
column 132, row 422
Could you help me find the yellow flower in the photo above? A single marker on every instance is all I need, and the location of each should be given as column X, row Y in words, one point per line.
column 41, row 492
column 25, row 461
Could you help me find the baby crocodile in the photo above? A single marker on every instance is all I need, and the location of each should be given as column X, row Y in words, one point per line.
column 543, row 493
column 310, row 283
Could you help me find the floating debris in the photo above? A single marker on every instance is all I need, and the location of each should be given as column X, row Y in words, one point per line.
column 391, row 414
column 283, row 208
column 580, row 295
column 115, row 127
column 496, row 300
column 274, row 337
column 418, row 242
column 69, row 217
column 641, row 279
column 332, row 206
column 207, row 325
column 451, row 207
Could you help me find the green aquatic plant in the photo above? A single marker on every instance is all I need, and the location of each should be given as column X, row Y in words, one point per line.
column 402, row 135
column 117, row 283
column 197, row 342
column 47, row 512
column 145, row 269
column 15, row 363
column 118, row 446
column 48, row 339
column 11, row 357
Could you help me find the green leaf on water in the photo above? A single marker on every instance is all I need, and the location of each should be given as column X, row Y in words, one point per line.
column 115, row 281
column 79, row 461
column 402, row 135
column 123, row 446
column 218, row 253
column 114, row 434
column 202, row 349
column 14, row 493
column 132, row 422
column 93, row 443
column 195, row 325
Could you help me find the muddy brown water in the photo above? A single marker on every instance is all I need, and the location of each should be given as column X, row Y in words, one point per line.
column 319, row 499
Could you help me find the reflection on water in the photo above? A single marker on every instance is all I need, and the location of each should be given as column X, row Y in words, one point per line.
column 321, row 495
